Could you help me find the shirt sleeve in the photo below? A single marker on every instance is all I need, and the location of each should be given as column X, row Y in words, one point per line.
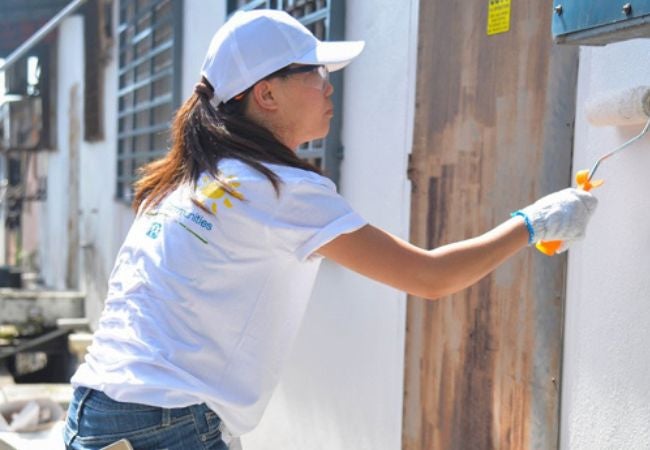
column 311, row 213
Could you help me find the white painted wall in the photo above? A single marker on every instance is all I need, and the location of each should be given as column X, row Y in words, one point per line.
column 201, row 20
column 53, row 238
column 102, row 221
column 343, row 386
column 606, row 393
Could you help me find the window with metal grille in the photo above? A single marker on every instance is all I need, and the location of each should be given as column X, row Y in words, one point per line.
column 149, row 35
column 324, row 18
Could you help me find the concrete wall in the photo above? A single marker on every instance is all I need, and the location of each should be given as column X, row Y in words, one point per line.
column 606, row 393
column 103, row 220
column 54, row 236
column 201, row 20
column 85, row 208
column 342, row 388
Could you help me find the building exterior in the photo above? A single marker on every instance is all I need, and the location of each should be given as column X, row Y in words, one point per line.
column 604, row 392
column 439, row 123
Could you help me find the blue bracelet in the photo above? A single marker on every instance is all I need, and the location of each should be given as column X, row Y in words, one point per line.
column 529, row 226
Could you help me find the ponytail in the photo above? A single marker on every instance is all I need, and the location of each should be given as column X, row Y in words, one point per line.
column 201, row 136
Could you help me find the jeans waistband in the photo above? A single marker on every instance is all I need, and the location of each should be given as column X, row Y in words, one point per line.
column 97, row 396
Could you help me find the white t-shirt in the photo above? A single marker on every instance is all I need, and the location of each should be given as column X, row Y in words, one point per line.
column 204, row 306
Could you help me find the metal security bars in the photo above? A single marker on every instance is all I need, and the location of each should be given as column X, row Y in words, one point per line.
column 149, row 35
column 324, row 18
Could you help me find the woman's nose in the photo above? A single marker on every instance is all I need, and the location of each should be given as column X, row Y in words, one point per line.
column 329, row 88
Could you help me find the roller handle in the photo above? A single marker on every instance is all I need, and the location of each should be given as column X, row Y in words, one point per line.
column 583, row 181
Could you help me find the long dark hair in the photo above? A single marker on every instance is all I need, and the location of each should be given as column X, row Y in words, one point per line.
column 201, row 136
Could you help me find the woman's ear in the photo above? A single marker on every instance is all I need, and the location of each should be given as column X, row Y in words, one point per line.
column 263, row 94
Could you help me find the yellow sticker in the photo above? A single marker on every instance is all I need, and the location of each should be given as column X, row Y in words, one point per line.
column 498, row 17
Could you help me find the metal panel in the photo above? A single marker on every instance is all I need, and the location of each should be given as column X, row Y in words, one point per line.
column 600, row 22
column 149, row 36
column 493, row 131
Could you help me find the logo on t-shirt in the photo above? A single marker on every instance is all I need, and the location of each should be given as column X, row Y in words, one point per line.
column 207, row 196
column 154, row 230
column 212, row 191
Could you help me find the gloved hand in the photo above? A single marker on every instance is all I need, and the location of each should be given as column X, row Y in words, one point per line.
column 561, row 216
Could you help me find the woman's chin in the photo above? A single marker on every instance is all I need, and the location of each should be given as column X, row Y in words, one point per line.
column 325, row 131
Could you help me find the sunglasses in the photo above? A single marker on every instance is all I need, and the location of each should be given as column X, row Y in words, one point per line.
column 317, row 78
column 320, row 70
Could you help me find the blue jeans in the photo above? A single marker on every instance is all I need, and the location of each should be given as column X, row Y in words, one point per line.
column 95, row 421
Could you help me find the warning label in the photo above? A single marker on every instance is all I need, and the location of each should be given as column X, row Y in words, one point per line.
column 498, row 16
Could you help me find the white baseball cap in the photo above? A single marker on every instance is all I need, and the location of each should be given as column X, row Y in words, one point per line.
column 253, row 44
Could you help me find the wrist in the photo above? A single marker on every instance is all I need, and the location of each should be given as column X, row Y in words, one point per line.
column 527, row 223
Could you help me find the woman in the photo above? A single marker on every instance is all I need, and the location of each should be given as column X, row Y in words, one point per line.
column 210, row 286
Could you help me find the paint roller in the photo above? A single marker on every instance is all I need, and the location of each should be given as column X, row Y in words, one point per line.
column 620, row 108
column 624, row 107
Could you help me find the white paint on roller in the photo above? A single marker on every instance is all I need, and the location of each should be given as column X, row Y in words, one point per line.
column 630, row 106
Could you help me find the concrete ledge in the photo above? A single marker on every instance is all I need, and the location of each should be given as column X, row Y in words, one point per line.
column 35, row 294
column 19, row 305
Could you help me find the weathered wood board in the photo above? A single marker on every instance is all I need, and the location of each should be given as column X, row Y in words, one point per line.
column 493, row 131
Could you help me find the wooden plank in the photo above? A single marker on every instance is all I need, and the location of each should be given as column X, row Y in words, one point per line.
column 493, row 131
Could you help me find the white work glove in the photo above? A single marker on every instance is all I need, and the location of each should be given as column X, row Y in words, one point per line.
column 561, row 216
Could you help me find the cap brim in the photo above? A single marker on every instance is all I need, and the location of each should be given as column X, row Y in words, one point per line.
column 335, row 55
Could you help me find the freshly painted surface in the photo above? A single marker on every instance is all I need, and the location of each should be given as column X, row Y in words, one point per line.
column 605, row 388
column 342, row 388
